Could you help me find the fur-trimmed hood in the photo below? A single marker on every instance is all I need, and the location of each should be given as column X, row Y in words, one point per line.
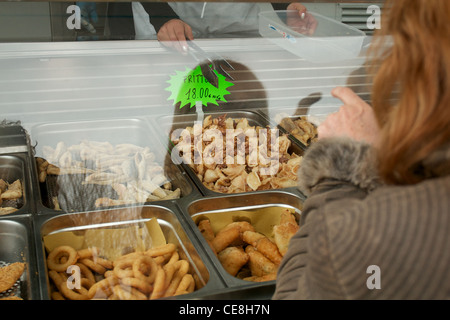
column 345, row 159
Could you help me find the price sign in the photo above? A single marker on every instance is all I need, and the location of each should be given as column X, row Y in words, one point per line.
column 190, row 86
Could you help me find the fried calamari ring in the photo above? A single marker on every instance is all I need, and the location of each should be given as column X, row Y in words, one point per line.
column 161, row 250
column 128, row 293
column 186, row 285
column 174, row 257
column 123, row 268
column 93, row 266
column 54, row 258
column 129, row 256
column 60, row 282
column 107, row 264
column 103, row 287
column 109, row 273
column 88, row 253
column 56, row 295
column 139, row 284
column 86, row 272
column 146, row 261
column 159, row 284
column 182, row 268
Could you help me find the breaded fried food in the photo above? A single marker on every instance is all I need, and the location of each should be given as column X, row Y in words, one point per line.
column 258, row 263
column 225, row 237
column 7, row 210
column 243, row 226
column 263, row 245
column 10, row 274
column 3, row 185
column 14, row 191
column 11, row 298
column 205, row 228
column 283, row 232
column 233, row 259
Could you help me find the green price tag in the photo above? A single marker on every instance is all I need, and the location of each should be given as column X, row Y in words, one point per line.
column 190, row 87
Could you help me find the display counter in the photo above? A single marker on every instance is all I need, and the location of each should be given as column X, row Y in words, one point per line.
column 87, row 129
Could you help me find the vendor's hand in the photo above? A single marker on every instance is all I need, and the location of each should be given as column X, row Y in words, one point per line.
column 89, row 15
column 174, row 34
column 355, row 119
column 301, row 21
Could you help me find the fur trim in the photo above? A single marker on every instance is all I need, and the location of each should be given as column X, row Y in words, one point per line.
column 340, row 158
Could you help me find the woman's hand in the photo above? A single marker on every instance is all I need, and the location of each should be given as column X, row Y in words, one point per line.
column 174, row 34
column 355, row 119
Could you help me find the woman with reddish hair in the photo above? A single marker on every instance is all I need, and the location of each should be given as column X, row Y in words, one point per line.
column 376, row 223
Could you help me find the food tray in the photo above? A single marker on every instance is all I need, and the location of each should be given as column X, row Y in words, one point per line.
column 16, row 246
column 71, row 192
column 332, row 40
column 13, row 139
column 232, row 208
column 13, row 168
column 315, row 115
column 183, row 121
column 169, row 220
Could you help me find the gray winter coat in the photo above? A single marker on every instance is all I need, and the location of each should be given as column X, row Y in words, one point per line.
column 362, row 240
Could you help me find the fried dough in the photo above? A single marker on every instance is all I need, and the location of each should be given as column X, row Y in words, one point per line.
column 283, row 232
column 10, row 274
column 233, row 259
column 263, row 245
column 225, row 237
column 258, row 263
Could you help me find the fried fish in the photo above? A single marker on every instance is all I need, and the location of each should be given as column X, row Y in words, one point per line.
column 10, row 274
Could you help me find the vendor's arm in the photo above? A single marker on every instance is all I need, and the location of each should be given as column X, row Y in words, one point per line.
column 177, row 30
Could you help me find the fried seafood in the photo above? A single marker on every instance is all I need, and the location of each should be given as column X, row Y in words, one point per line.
column 283, row 232
column 302, row 129
column 226, row 237
column 233, row 259
column 7, row 210
column 258, row 263
column 240, row 157
column 10, row 274
column 246, row 253
column 130, row 171
column 264, row 245
column 13, row 191
column 155, row 273
column 9, row 192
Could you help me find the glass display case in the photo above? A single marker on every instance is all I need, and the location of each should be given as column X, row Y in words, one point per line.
column 95, row 98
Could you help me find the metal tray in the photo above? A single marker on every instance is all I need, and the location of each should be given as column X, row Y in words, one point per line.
column 118, row 131
column 229, row 206
column 169, row 123
column 169, row 219
column 13, row 139
column 314, row 115
column 15, row 167
column 17, row 246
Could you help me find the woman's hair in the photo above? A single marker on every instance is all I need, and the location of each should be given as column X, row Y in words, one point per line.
column 411, row 86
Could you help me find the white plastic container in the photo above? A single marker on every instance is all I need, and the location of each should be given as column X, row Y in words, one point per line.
column 331, row 41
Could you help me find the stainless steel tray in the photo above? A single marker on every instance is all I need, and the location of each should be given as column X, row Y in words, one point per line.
column 315, row 115
column 169, row 219
column 169, row 123
column 230, row 206
column 75, row 197
column 14, row 167
column 13, row 139
column 17, row 246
